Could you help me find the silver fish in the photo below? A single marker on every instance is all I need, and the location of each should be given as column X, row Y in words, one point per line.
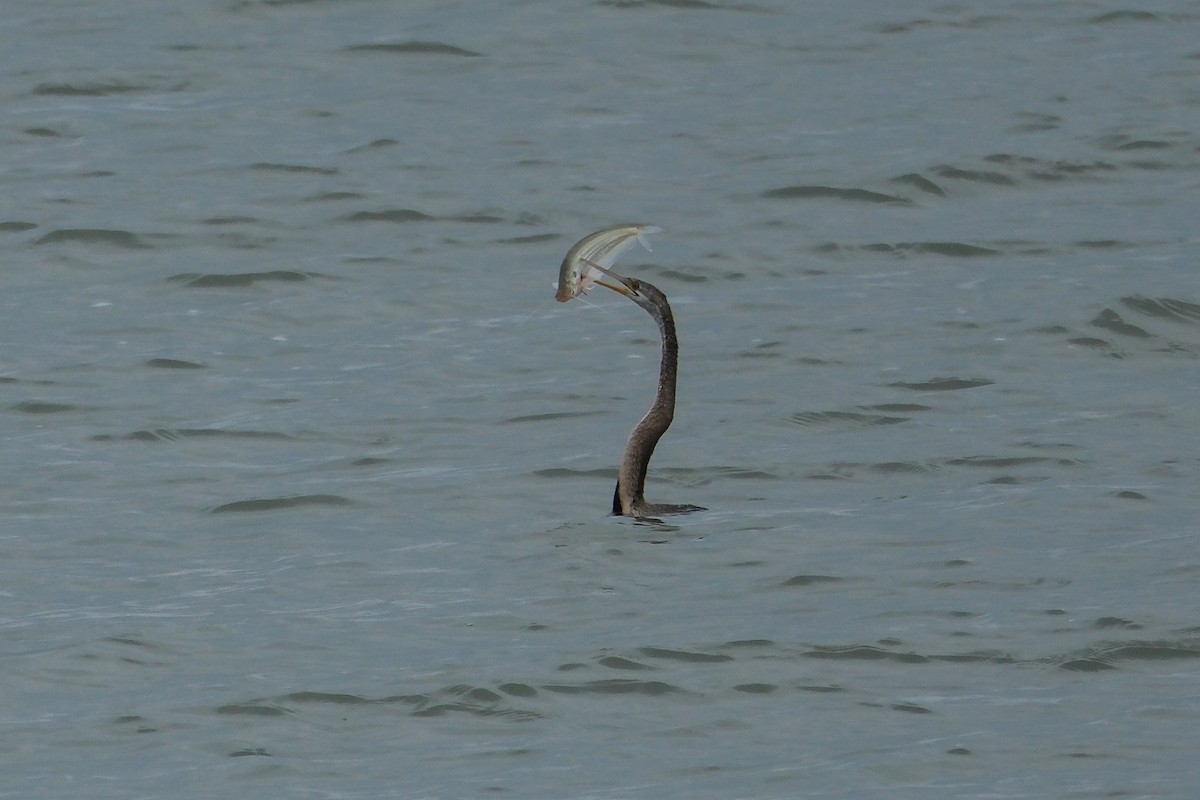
column 593, row 255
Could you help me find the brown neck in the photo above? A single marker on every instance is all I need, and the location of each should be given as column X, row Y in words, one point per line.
column 629, row 497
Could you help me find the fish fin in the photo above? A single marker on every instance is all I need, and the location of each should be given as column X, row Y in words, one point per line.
column 646, row 229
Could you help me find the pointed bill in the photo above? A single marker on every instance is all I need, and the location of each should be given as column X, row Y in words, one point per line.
column 593, row 255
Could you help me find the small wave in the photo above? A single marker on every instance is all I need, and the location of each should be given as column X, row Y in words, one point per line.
column 619, row 662
column 975, row 175
column 267, row 166
column 811, row 580
column 461, row 699
column 1144, row 144
column 943, row 384
column 1109, row 655
column 389, row 215
column 276, row 503
column 843, row 419
column 563, row 472
column 232, row 220
column 863, row 652
column 413, row 47
column 950, row 249
column 174, row 363
column 332, row 197
column 615, row 686
column 374, row 144
column 954, row 249
column 42, row 407
column 110, row 238
column 199, row 280
column 845, row 470
column 919, row 181
column 1164, row 308
column 802, row 192
column 476, row 217
column 705, row 476
column 1060, row 170
column 252, row 708
column 756, row 688
column 539, row 238
column 684, row 655
column 96, row 89
column 406, row 215
column 700, row 5
column 991, row 462
column 1124, row 16
column 1094, row 343
column 1036, row 122
column 176, row 434
column 897, row 408
column 1110, row 320
column 547, row 416
column 902, row 467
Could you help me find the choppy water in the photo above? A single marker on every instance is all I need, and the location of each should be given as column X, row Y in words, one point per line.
column 306, row 474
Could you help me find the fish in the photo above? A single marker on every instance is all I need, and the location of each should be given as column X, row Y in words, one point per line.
column 593, row 255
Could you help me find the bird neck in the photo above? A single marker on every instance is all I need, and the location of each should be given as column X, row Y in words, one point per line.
column 629, row 496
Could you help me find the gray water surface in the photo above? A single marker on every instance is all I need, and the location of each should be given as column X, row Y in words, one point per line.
column 307, row 476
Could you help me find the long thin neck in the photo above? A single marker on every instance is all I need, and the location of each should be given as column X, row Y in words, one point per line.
column 629, row 496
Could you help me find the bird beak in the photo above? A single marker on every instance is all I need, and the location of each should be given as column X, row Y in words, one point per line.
column 618, row 283
column 621, row 288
